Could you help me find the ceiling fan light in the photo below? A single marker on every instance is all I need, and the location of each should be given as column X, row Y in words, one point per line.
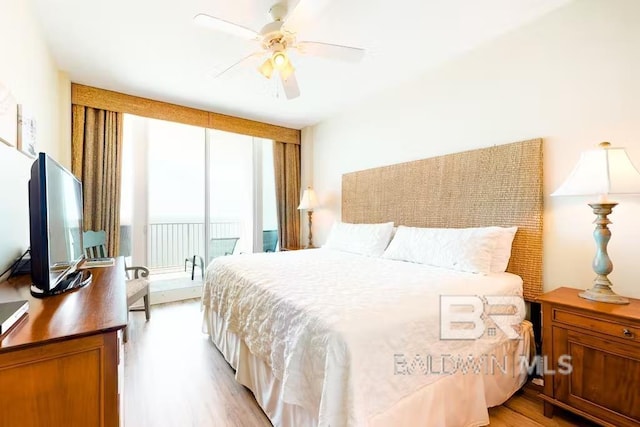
column 286, row 71
column 279, row 59
column 266, row 69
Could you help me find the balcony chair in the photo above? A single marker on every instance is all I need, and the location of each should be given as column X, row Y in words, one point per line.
column 125, row 244
column 95, row 246
column 269, row 240
column 218, row 246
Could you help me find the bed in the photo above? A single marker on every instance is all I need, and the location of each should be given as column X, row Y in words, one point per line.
column 330, row 338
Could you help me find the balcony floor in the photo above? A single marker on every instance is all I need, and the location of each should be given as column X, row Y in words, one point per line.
column 169, row 285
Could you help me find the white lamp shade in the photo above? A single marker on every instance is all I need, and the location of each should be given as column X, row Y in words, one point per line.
column 602, row 172
column 286, row 71
column 266, row 69
column 309, row 200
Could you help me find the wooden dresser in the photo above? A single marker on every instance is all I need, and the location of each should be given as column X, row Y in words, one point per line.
column 62, row 364
column 603, row 342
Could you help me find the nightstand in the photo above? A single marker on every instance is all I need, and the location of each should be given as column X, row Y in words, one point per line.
column 601, row 342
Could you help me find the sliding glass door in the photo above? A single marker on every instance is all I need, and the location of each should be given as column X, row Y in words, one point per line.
column 242, row 200
column 267, row 193
column 193, row 194
column 230, row 194
column 176, row 170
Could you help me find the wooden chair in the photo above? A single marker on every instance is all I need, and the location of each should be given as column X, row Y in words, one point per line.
column 269, row 240
column 95, row 246
column 218, row 246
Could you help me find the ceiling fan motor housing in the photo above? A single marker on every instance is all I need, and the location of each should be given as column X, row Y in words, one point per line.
column 273, row 37
column 278, row 11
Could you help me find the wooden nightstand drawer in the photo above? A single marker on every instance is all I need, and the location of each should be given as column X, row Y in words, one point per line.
column 607, row 327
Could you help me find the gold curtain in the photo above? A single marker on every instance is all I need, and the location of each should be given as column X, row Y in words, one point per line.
column 96, row 160
column 286, row 162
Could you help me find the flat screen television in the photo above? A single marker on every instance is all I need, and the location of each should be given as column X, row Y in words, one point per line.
column 55, row 220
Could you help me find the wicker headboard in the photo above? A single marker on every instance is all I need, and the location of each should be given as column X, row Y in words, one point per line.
column 499, row 185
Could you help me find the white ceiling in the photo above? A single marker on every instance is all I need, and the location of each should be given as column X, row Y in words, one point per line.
column 152, row 48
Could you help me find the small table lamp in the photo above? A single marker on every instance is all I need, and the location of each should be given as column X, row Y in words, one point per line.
column 308, row 203
column 602, row 172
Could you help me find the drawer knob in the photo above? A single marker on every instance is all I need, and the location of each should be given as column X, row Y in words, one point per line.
column 627, row 333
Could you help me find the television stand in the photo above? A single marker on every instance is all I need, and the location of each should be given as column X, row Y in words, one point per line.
column 74, row 280
column 63, row 364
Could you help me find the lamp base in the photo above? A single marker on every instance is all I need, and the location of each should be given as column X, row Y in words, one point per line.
column 603, row 294
column 602, row 265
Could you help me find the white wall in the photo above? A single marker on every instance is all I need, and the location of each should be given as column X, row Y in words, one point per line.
column 571, row 77
column 28, row 70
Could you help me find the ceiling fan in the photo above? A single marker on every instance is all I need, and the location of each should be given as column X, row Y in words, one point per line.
column 277, row 38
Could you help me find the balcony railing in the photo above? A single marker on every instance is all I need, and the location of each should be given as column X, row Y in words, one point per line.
column 171, row 242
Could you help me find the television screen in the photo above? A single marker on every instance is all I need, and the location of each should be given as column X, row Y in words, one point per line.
column 55, row 210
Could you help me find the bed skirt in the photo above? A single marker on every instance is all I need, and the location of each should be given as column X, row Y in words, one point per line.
column 454, row 400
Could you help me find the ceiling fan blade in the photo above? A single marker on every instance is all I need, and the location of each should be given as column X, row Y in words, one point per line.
column 332, row 51
column 224, row 26
column 290, row 86
column 246, row 58
column 304, row 13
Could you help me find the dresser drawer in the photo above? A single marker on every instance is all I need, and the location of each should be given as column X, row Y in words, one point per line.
column 615, row 329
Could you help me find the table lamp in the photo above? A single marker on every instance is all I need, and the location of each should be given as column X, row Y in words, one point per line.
column 602, row 172
column 308, row 203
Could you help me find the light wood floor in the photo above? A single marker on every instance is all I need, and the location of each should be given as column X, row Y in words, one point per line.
column 175, row 377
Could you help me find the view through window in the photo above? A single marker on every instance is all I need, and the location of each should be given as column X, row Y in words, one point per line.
column 165, row 191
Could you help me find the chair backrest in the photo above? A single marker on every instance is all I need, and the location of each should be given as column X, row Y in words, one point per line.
column 221, row 246
column 125, row 240
column 95, row 244
column 269, row 240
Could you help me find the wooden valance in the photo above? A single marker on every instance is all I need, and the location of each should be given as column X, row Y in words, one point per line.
column 119, row 102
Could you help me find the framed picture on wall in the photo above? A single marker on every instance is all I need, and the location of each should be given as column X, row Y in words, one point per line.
column 8, row 114
column 27, row 132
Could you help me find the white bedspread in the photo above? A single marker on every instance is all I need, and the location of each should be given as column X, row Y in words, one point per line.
column 331, row 324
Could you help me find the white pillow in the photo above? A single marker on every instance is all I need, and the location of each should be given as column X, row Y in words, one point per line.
column 364, row 239
column 502, row 249
column 462, row 249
